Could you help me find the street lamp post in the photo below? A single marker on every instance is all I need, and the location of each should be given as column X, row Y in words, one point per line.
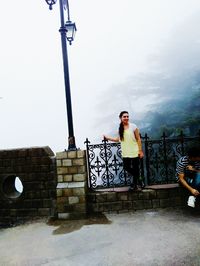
column 67, row 31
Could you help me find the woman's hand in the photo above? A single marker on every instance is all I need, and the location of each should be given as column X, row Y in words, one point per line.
column 141, row 154
column 105, row 137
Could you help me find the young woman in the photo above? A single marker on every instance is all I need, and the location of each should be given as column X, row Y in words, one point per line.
column 131, row 146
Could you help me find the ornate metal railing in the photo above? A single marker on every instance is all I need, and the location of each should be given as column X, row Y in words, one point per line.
column 105, row 167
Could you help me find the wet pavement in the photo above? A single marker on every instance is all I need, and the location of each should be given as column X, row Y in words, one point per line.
column 168, row 237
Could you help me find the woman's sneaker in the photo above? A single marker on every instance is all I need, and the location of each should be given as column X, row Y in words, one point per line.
column 191, row 201
column 131, row 188
column 135, row 188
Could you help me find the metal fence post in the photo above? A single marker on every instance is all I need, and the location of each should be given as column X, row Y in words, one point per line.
column 146, row 138
column 87, row 142
column 106, row 161
column 165, row 156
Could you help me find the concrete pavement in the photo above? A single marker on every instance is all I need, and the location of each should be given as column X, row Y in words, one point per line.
column 168, row 237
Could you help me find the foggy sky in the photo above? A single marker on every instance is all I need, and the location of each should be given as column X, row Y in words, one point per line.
column 149, row 47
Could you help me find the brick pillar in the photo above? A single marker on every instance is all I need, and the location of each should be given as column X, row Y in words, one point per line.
column 72, row 184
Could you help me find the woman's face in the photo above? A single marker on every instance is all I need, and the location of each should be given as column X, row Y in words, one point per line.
column 125, row 118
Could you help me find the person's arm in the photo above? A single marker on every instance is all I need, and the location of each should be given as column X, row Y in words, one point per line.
column 111, row 139
column 191, row 168
column 139, row 142
column 182, row 180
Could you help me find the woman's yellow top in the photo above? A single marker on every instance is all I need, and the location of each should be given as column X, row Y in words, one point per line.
column 129, row 144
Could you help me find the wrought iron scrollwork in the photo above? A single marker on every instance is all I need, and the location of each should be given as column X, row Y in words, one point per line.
column 105, row 165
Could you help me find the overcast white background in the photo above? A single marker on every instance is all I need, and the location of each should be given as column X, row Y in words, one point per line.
column 115, row 40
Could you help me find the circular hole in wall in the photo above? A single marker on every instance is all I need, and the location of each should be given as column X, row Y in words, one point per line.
column 12, row 187
column 18, row 184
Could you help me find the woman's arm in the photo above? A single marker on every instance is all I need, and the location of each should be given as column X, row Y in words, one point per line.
column 139, row 142
column 111, row 139
column 186, row 185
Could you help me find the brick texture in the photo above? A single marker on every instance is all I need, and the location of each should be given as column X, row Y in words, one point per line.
column 119, row 202
column 71, row 185
column 36, row 169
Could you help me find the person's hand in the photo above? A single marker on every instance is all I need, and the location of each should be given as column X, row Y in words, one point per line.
column 195, row 192
column 105, row 138
column 190, row 168
column 141, row 154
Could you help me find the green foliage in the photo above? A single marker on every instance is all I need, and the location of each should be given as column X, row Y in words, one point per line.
column 172, row 117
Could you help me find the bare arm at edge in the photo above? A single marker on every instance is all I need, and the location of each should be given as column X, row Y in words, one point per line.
column 139, row 142
column 111, row 139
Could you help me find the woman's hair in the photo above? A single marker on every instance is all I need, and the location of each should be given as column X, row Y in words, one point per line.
column 121, row 126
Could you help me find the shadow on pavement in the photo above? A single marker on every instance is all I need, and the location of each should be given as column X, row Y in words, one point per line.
column 68, row 226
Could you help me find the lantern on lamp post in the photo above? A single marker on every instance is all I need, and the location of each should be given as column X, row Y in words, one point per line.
column 71, row 30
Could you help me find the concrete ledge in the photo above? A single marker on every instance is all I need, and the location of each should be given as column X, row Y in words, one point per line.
column 123, row 189
column 163, row 186
column 71, row 185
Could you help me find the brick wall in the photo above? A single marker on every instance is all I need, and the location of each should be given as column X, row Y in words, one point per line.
column 36, row 169
column 170, row 195
column 57, row 186
column 71, row 185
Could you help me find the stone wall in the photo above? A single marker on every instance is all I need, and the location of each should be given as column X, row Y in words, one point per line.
column 154, row 197
column 36, row 169
column 72, row 184
column 57, row 187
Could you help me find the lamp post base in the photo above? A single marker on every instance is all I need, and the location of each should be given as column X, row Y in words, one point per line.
column 72, row 145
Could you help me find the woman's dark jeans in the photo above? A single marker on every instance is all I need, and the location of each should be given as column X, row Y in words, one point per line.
column 131, row 165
